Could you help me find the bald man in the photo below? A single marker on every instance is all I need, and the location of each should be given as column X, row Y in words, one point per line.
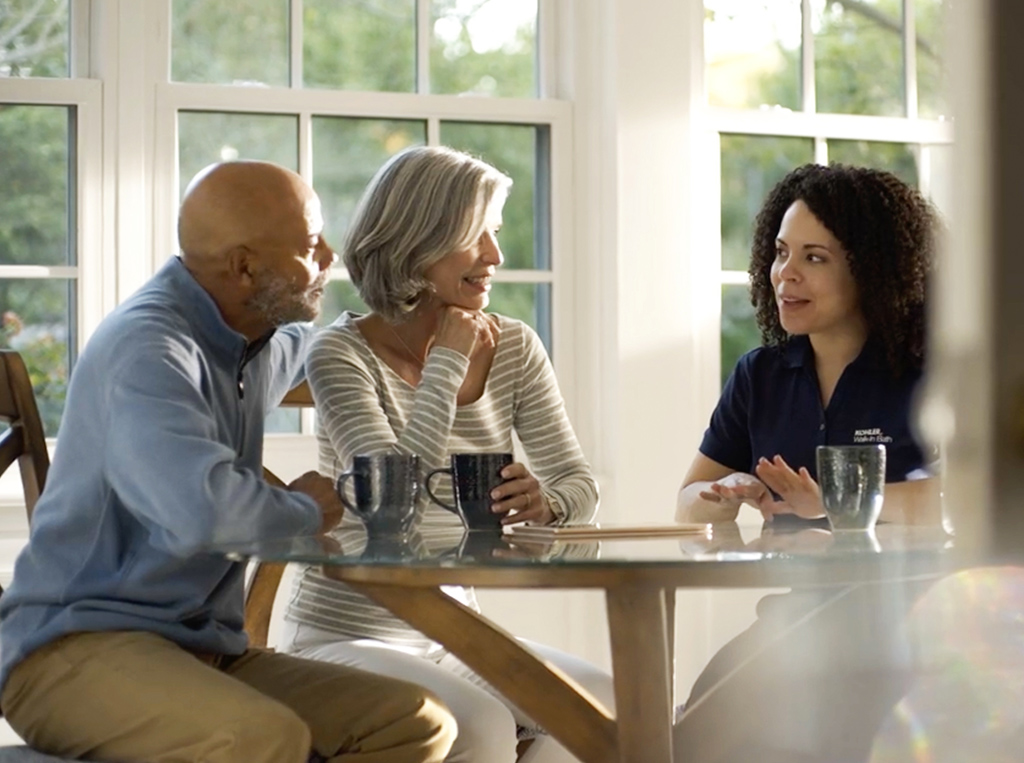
column 120, row 638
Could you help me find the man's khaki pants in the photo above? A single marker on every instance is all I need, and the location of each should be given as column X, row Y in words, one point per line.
column 135, row 696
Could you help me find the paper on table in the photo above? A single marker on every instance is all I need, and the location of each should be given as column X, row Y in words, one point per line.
column 606, row 530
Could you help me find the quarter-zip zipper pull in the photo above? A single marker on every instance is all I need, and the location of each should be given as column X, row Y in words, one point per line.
column 251, row 350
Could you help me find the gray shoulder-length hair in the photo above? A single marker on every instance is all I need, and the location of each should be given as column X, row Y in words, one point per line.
column 424, row 203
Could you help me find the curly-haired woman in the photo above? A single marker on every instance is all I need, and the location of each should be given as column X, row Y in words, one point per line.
column 839, row 271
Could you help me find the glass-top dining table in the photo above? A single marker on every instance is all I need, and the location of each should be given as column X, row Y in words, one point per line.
column 639, row 576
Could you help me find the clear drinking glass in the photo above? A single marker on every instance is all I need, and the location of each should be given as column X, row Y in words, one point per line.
column 852, row 483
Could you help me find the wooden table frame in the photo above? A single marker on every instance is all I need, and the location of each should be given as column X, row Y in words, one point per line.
column 641, row 614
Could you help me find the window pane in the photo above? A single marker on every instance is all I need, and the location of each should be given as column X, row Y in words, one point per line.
column 360, row 46
column 521, row 152
column 484, row 48
column 751, row 166
column 34, row 215
column 36, row 320
column 528, row 302
column 739, row 331
column 858, row 57
column 339, row 296
column 207, row 137
column 283, row 421
column 752, row 53
column 34, row 39
column 230, row 41
column 346, row 154
column 897, row 158
column 929, row 21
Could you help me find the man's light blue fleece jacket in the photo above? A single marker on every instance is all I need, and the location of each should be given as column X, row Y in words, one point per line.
column 158, row 457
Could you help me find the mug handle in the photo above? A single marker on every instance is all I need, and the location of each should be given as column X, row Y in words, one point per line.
column 434, row 498
column 339, row 486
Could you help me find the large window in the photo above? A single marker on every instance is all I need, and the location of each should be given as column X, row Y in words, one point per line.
column 337, row 88
column 94, row 168
column 789, row 82
column 48, row 132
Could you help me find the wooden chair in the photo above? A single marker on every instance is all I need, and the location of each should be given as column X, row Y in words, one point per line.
column 25, row 443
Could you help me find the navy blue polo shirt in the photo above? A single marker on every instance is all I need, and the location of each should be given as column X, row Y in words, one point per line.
column 771, row 405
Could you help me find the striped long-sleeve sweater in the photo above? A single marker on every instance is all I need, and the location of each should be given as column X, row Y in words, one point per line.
column 365, row 407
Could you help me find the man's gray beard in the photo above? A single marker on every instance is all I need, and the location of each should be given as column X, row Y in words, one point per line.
column 278, row 301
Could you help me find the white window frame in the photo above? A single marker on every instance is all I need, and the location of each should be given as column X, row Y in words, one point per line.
column 128, row 189
column 919, row 134
column 94, row 272
column 90, row 271
column 174, row 98
column 128, row 158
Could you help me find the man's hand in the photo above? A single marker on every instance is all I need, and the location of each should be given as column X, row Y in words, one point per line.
column 321, row 490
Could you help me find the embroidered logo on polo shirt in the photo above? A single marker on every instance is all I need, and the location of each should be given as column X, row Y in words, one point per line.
column 870, row 435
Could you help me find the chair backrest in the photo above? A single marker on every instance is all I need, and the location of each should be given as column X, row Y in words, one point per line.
column 266, row 577
column 298, row 397
column 24, row 441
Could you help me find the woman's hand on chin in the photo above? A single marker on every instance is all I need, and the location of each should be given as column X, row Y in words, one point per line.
column 465, row 330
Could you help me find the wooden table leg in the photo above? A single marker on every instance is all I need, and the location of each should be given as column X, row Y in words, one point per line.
column 637, row 622
column 565, row 709
column 670, row 637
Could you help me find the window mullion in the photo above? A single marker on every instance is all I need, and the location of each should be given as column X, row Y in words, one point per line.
column 910, row 59
column 807, row 89
column 524, row 276
column 735, row 277
column 295, row 43
column 306, row 146
column 820, row 151
column 547, row 62
column 923, row 154
column 79, row 38
column 423, row 46
column 39, row 271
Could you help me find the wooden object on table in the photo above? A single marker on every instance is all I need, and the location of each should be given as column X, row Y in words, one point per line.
column 599, row 531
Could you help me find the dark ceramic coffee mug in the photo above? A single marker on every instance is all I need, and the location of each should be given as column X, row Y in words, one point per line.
column 386, row 489
column 474, row 476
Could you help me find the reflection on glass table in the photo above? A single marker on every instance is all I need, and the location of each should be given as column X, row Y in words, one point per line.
column 789, row 556
column 638, row 576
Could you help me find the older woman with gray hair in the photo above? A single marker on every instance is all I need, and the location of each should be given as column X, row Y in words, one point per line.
column 429, row 372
